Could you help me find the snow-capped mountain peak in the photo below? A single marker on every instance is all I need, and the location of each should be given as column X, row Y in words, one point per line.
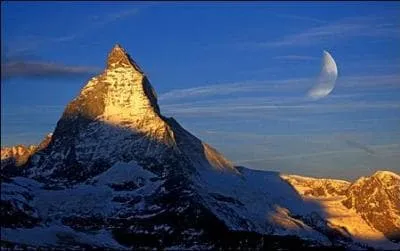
column 116, row 117
column 120, row 93
column 377, row 199
column 118, row 57
column 387, row 177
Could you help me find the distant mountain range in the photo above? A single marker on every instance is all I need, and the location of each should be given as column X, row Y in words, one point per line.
column 117, row 174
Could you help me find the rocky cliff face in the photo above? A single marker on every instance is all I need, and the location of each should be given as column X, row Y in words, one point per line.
column 115, row 118
column 18, row 156
column 369, row 201
column 377, row 200
column 307, row 186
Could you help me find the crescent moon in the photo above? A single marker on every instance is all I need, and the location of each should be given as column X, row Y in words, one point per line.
column 326, row 79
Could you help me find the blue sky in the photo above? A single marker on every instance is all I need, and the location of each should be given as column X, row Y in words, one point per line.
column 235, row 74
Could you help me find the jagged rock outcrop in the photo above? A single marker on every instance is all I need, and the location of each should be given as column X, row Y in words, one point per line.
column 377, row 200
column 318, row 187
column 114, row 118
column 14, row 158
column 371, row 204
column 17, row 155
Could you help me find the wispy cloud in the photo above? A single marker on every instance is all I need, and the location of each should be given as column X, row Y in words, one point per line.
column 297, row 85
column 296, row 57
column 212, row 90
column 321, row 153
column 282, row 100
column 359, row 145
column 101, row 21
column 261, row 110
column 30, row 43
column 231, row 88
column 98, row 21
column 372, row 81
column 121, row 14
column 43, row 69
column 342, row 29
column 18, row 110
column 303, row 18
column 17, row 57
column 311, row 150
column 296, row 156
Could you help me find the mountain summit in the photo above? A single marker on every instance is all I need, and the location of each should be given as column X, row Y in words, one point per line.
column 121, row 92
column 118, row 57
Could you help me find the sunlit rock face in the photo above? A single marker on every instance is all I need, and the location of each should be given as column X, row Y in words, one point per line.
column 307, row 186
column 14, row 158
column 114, row 118
column 18, row 154
column 369, row 208
column 120, row 95
column 377, row 200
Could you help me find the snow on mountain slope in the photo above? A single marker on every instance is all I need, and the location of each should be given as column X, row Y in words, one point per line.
column 317, row 187
column 124, row 172
column 60, row 236
column 256, row 201
column 268, row 202
column 246, row 208
column 100, row 197
column 16, row 206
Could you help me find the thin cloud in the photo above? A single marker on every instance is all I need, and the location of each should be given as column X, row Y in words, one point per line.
column 231, row 88
column 100, row 22
column 345, row 28
column 31, row 43
column 259, row 110
column 22, row 110
column 63, row 39
column 122, row 14
column 212, row 90
column 43, row 69
column 321, row 153
column 304, row 18
column 297, row 156
column 298, row 85
column 359, row 145
column 372, row 81
column 296, row 57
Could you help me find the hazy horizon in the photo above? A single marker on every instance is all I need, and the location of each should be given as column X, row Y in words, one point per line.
column 233, row 74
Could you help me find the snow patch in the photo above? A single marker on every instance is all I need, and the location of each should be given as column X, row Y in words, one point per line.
column 58, row 235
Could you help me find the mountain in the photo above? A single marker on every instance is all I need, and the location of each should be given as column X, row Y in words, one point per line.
column 377, row 200
column 18, row 156
column 117, row 174
column 307, row 186
column 368, row 208
column 115, row 118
